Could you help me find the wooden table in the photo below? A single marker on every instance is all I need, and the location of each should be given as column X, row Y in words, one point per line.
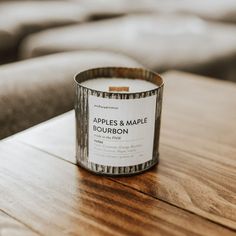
column 191, row 192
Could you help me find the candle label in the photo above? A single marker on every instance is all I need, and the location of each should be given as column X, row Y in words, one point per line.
column 121, row 131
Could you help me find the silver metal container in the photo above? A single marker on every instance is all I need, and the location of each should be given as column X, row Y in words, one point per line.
column 97, row 151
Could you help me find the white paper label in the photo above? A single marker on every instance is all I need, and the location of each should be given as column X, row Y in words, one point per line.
column 121, row 132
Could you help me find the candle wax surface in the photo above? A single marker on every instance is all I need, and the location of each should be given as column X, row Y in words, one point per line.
column 135, row 85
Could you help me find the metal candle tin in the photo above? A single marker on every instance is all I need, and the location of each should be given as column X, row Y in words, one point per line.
column 86, row 157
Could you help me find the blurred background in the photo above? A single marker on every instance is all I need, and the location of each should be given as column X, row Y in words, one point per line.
column 44, row 43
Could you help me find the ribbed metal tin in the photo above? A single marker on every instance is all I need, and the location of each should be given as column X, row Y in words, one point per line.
column 82, row 115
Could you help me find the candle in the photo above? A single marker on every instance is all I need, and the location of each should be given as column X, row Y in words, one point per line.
column 118, row 120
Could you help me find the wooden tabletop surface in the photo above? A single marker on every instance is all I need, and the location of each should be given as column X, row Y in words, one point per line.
column 191, row 192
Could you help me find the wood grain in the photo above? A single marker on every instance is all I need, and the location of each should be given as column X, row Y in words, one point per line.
column 192, row 182
column 198, row 147
column 11, row 227
column 55, row 197
column 57, row 136
column 200, row 116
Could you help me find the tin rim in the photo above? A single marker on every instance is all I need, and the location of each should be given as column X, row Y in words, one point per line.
column 119, row 72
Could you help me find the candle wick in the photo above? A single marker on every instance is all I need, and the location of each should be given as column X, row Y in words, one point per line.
column 118, row 89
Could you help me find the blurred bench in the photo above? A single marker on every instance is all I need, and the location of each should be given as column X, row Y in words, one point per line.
column 219, row 10
column 159, row 42
column 35, row 90
column 18, row 19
